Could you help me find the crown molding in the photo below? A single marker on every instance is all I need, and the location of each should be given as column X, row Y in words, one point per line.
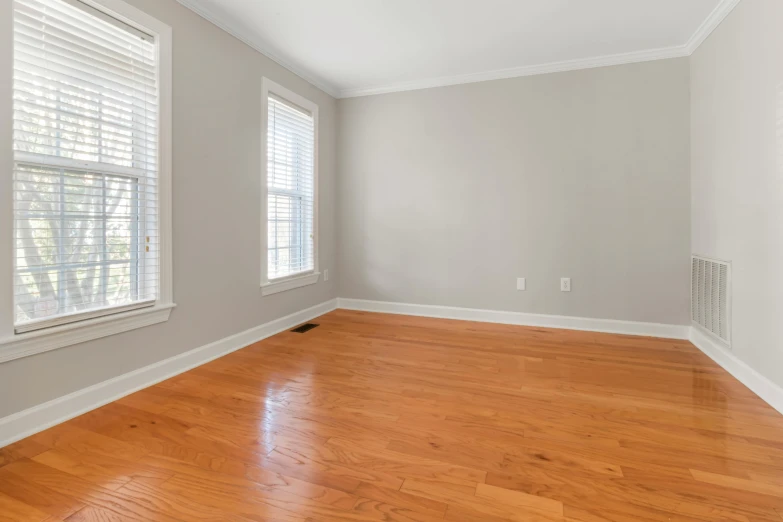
column 712, row 22
column 517, row 72
column 715, row 18
column 706, row 28
column 255, row 42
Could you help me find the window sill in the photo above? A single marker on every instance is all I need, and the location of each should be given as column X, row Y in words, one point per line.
column 275, row 287
column 39, row 341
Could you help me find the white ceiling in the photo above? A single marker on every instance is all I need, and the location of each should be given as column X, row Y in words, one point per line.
column 360, row 47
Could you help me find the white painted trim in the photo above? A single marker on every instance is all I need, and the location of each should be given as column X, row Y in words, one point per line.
column 269, row 87
column 85, row 6
column 48, row 339
column 257, row 43
column 79, row 317
column 165, row 161
column 38, row 418
column 670, row 331
column 712, row 22
column 275, row 287
column 130, row 15
column 720, row 12
column 518, row 72
column 770, row 392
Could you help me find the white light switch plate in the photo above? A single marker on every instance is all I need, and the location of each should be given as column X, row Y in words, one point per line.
column 521, row 283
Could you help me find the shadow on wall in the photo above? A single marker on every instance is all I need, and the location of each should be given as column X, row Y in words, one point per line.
column 779, row 216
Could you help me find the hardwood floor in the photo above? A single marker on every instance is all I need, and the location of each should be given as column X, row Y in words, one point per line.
column 374, row 417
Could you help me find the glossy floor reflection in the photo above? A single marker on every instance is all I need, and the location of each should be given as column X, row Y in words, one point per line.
column 393, row 418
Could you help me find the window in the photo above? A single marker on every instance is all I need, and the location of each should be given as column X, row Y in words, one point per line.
column 91, row 185
column 291, row 189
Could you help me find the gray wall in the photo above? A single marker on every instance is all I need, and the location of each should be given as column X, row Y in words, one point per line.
column 446, row 195
column 217, row 107
column 737, row 172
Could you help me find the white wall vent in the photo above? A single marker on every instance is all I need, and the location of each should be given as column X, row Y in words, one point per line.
column 711, row 296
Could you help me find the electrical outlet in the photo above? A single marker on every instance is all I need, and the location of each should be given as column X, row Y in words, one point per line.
column 521, row 283
column 565, row 284
column 326, row 275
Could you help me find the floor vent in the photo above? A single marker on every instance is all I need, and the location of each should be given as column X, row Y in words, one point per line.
column 710, row 296
column 304, row 328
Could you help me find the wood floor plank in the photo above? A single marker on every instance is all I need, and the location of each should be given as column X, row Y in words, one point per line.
column 464, row 504
column 94, row 473
column 160, row 500
column 72, row 486
column 94, row 514
column 374, row 417
column 13, row 510
column 403, row 466
column 764, row 488
column 38, row 497
column 325, row 460
column 374, row 493
column 516, row 498
column 26, row 448
column 629, row 512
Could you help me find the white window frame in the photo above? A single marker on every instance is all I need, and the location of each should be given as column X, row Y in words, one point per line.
column 114, row 321
column 269, row 287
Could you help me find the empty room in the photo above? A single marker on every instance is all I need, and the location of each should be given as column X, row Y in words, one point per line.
column 391, row 260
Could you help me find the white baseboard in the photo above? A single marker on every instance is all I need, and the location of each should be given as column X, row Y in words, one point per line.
column 769, row 392
column 38, row 418
column 669, row 331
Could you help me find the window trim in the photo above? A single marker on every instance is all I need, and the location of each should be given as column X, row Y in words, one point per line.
column 114, row 321
column 300, row 279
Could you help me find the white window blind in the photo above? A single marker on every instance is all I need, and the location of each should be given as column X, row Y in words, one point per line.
column 86, row 211
column 290, row 189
